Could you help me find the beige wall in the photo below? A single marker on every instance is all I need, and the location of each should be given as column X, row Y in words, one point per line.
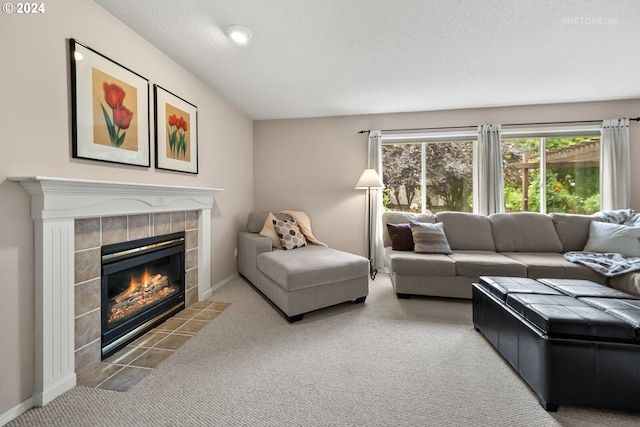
column 35, row 140
column 313, row 164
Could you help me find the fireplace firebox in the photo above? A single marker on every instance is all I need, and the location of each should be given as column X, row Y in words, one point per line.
column 143, row 283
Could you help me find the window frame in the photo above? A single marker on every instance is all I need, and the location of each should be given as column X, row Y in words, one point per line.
column 424, row 138
column 470, row 133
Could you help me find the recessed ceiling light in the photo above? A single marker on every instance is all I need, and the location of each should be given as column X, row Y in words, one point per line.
column 239, row 34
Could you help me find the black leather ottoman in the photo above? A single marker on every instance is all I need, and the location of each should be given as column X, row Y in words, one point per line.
column 573, row 341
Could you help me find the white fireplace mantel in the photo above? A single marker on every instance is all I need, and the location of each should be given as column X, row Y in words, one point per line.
column 55, row 204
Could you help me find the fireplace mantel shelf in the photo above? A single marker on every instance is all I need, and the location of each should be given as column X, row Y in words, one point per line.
column 77, row 198
column 55, row 205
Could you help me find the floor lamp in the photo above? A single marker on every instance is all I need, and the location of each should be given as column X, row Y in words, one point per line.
column 368, row 181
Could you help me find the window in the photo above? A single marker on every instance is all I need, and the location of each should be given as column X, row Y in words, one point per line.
column 428, row 176
column 566, row 179
column 433, row 171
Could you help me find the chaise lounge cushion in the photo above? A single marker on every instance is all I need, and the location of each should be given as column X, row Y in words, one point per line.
column 309, row 266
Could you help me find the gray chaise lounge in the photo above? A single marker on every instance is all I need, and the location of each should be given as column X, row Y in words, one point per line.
column 300, row 280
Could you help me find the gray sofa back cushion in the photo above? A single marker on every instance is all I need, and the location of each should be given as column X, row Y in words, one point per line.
column 524, row 232
column 572, row 229
column 393, row 217
column 256, row 220
column 466, row 231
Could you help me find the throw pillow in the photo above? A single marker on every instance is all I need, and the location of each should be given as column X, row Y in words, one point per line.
column 289, row 234
column 268, row 230
column 429, row 238
column 617, row 238
column 401, row 238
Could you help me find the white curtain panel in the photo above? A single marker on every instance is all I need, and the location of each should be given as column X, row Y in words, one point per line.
column 615, row 166
column 374, row 161
column 488, row 189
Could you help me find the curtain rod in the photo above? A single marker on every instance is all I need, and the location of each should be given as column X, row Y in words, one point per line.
column 635, row 119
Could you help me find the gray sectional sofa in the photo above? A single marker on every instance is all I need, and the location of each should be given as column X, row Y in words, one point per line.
column 522, row 244
column 299, row 280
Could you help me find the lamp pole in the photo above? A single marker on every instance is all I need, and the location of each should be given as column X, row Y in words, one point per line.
column 368, row 181
column 372, row 271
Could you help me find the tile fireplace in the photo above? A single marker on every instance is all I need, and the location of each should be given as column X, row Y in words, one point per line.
column 56, row 205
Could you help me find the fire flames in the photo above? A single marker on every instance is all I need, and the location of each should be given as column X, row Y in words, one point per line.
column 142, row 281
column 143, row 291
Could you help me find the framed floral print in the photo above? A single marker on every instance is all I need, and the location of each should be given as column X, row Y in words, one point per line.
column 176, row 132
column 110, row 109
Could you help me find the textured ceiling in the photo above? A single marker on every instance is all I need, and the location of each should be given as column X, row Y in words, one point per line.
column 311, row 58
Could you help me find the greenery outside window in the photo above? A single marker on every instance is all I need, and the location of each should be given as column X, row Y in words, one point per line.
column 428, row 176
column 433, row 171
column 565, row 179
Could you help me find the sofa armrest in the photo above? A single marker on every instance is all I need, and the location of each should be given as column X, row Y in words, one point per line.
column 250, row 245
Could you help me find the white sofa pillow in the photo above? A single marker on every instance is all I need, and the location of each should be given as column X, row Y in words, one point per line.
column 606, row 237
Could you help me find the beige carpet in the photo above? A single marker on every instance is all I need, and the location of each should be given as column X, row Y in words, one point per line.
column 387, row 362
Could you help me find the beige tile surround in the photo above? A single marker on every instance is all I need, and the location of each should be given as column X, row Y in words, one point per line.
column 124, row 369
column 90, row 235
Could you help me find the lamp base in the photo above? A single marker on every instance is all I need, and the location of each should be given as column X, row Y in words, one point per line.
column 372, row 271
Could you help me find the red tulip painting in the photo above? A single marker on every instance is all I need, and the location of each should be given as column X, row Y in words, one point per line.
column 114, row 112
column 120, row 117
column 178, row 133
column 110, row 119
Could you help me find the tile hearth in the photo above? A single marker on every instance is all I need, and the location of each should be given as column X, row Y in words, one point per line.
column 124, row 369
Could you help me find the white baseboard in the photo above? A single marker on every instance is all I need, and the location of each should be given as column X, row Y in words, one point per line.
column 16, row 411
column 218, row 285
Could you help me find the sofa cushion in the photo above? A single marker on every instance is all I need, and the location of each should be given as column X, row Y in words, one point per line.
column 606, row 237
column 466, row 231
column 311, row 265
column 429, row 238
column 629, row 283
column 290, row 235
column 486, row 263
column 553, row 265
column 393, row 217
column 572, row 229
column 401, row 237
column 524, row 232
column 421, row 264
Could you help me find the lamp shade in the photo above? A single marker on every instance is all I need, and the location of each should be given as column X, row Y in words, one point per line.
column 369, row 179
